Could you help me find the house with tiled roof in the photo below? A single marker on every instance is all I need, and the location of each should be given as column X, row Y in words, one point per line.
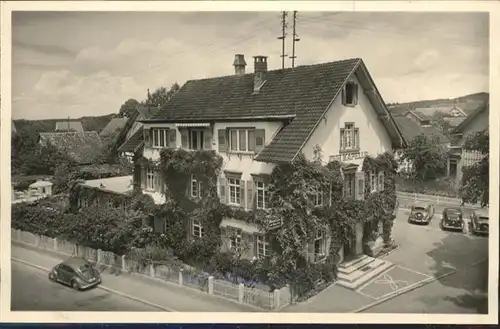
column 115, row 125
column 257, row 120
column 412, row 125
column 477, row 121
column 81, row 147
column 134, row 135
column 69, row 126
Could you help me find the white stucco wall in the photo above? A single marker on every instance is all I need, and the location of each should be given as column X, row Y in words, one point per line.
column 373, row 136
column 244, row 163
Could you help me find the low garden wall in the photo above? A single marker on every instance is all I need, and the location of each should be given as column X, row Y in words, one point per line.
column 239, row 293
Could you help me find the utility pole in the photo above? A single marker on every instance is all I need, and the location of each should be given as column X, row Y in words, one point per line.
column 284, row 14
column 295, row 38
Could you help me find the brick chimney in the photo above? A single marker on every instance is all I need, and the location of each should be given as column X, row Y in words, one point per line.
column 260, row 70
column 239, row 64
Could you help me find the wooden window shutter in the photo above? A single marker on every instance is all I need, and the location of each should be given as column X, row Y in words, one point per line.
column 143, row 176
column 147, row 137
column 159, row 224
column 360, row 185
column 260, row 137
column 172, row 138
column 207, row 139
column 242, row 194
column 222, row 190
column 184, row 138
column 342, row 135
column 356, row 137
column 344, row 101
column 188, row 187
column 250, row 195
column 222, row 138
column 355, row 93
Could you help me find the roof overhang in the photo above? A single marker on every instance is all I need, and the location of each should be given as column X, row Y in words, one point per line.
column 208, row 121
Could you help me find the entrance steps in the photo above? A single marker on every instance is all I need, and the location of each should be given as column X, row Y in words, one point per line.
column 355, row 273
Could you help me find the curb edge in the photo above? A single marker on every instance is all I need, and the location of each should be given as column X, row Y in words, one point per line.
column 101, row 287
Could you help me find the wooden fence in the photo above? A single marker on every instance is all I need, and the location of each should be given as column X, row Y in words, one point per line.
column 188, row 277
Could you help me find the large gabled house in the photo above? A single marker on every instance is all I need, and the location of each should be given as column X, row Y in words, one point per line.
column 477, row 121
column 260, row 119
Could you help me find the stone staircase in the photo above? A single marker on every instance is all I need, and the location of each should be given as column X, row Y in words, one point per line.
column 355, row 273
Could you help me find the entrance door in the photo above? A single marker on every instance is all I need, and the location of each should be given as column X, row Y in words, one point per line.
column 349, row 250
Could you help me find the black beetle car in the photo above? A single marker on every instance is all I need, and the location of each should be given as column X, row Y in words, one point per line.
column 480, row 222
column 76, row 272
column 421, row 214
column 452, row 219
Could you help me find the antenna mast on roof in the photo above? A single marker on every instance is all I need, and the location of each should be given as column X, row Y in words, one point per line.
column 68, row 124
column 295, row 38
column 284, row 14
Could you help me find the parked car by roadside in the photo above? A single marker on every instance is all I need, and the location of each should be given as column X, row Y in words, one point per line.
column 452, row 219
column 76, row 272
column 479, row 222
column 421, row 213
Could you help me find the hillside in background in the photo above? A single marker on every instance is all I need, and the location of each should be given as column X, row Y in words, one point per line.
column 468, row 103
column 38, row 126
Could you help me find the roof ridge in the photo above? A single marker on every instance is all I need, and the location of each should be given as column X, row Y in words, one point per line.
column 277, row 70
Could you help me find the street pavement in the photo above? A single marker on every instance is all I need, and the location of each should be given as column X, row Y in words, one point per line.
column 32, row 291
column 454, row 263
column 168, row 296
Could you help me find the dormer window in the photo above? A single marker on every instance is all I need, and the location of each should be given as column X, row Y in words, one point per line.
column 350, row 94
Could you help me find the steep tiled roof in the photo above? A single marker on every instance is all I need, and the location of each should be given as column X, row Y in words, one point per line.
column 305, row 91
column 113, row 126
column 133, row 143
column 82, row 147
column 411, row 129
column 470, row 118
column 419, row 115
column 69, row 126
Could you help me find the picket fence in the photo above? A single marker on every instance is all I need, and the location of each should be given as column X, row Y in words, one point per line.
column 239, row 293
column 407, row 199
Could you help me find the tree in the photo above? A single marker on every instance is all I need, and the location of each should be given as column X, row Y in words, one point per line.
column 427, row 156
column 161, row 96
column 474, row 186
column 439, row 121
column 128, row 108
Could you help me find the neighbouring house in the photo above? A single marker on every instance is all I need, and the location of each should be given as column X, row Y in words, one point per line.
column 478, row 121
column 257, row 120
column 41, row 187
column 412, row 125
column 107, row 189
column 67, row 126
column 445, row 111
column 81, row 147
column 114, row 126
column 134, row 135
column 454, row 121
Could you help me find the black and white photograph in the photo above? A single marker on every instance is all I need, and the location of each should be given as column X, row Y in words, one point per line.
column 263, row 161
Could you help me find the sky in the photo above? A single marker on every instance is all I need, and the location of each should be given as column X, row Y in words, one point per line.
column 73, row 64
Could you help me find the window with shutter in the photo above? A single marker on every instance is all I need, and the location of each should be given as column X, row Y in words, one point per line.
column 222, row 139
column 360, row 188
column 260, row 135
column 172, row 138
column 250, row 194
column 222, row 190
column 184, row 138
column 147, row 139
column 242, row 196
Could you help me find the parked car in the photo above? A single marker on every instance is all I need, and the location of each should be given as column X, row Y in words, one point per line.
column 479, row 222
column 452, row 219
column 421, row 213
column 76, row 272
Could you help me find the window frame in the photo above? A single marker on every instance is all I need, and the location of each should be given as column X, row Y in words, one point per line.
column 373, row 182
column 354, row 96
column 236, row 184
column 349, row 179
column 156, row 133
column 195, row 183
column 352, row 131
column 248, row 138
column 196, row 225
column 263, row 243
column 264, row 194
column 321, row 238
column 318, row 196
column 200, row 135
column 236, row 237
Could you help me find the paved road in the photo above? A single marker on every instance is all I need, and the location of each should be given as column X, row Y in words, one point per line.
column 32, row 291
column 459, row 293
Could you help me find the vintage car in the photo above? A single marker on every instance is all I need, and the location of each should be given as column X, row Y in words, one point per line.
column 421, row 214
column 452, row 219
column 479, row 222
column 76, row 272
